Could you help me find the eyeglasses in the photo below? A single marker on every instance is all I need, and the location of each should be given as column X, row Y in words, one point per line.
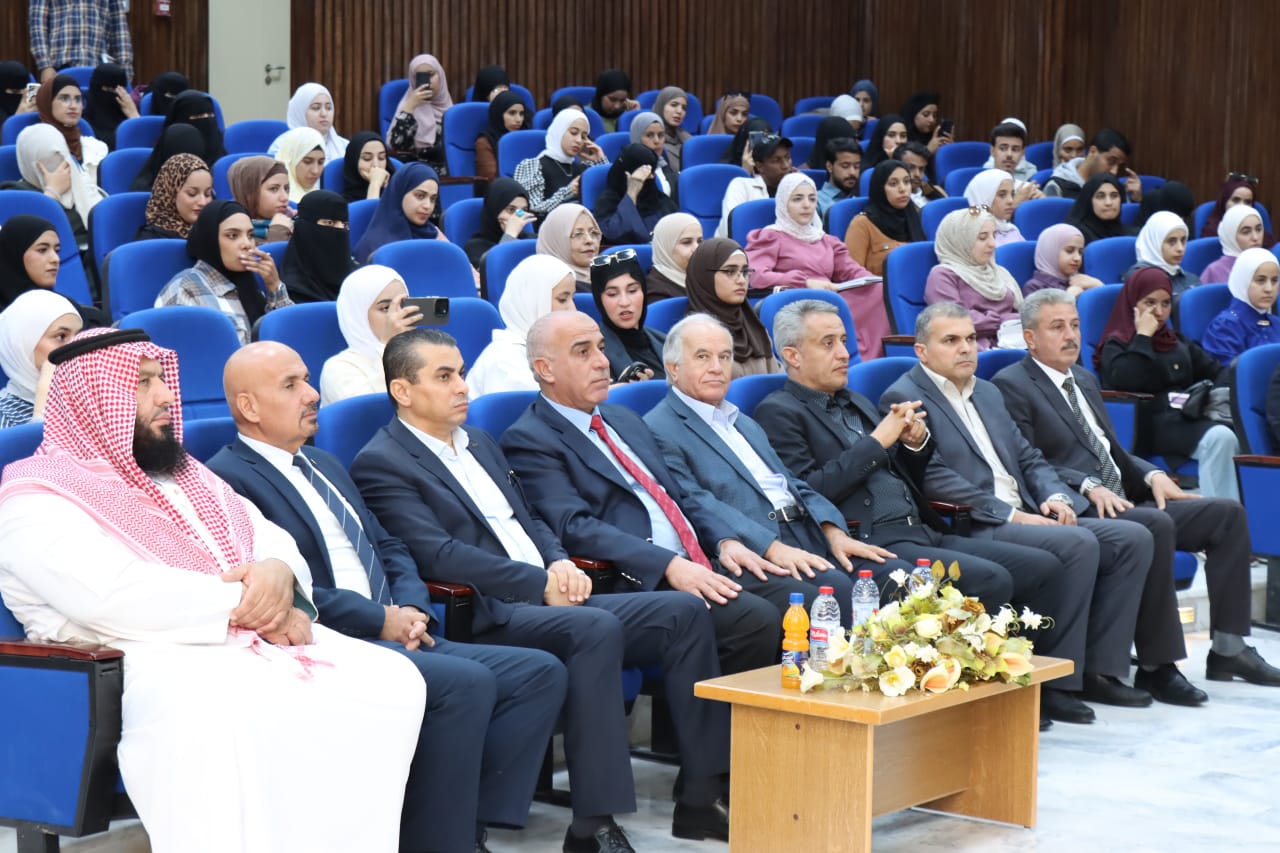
column 70, row 100
column 736, row 272
column 593, row 235
column 979, row 209
column 1241, row 176
column 617, row 257
column 333, row 223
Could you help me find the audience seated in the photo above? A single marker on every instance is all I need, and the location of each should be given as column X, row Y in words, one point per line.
column 312, row 106
column 868, row 97
column 848, row 108
column 992, row 190
column 1008, row 146
column 29, row 256
column 34, row 324
column 404, row 212
column 674, row 238
column 890, row 132
column 613, row 97
column 1068, row 144
column 39, row 148
column 716, row 282
column 417, row 130
column 13, row 84
column 732, row 111
column 506, row 113
column 631, row 203
column 60, row 103
column 196, row 109
column 841, row 156
column 365, row 167
column 618, row 290
column 920, row 114
column 370, row 313
column 108, row 102
column 1238, row 189
column 504, row 217
column 1108, row 152
column 491, row 81
column 571, row 234
column 301, row 150
column 1250, row 320
column 181, row 190
column 261, row 186
column 164, row 88
column 919, row 162
column 1239, row 230
column 968, row 275
column 1096, row 211
column 888, row 221
column 174, row 139
column 318, row 256
column 648, row 129
column 1173, row 196
column 1059, row 253
column 554, row 177
column 1161, row 243
column 769, row 162
column 671, row 105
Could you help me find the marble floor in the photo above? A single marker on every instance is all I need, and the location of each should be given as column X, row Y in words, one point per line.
column 1155, row 779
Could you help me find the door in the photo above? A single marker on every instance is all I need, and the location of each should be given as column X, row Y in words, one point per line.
column 249, row 58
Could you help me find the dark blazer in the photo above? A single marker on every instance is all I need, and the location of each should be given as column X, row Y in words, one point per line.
column 712, row 474
column 958, row 473
column 1046, row 420
column 586, row 500
column 418, row 500
column 813, row 447
column 620, row 359
column 342, row 610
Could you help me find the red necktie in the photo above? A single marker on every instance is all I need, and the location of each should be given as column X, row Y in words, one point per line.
column 659, row 495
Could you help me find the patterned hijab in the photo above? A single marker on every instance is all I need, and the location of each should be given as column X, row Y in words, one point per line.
column 750, row 339
column 957, row 234
column 162, row 208
column 783, row 222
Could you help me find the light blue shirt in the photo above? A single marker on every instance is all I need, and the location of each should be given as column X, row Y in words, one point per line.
column 723, row 420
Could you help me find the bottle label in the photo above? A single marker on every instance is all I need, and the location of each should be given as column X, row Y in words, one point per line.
column 792, row 661
column 818, row 635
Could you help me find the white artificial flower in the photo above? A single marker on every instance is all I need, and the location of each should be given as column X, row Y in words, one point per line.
column 1001, row 623
column 809, row 678
column 897, row 681
column 1030, row 619
column 927, row 654
column 899, row 576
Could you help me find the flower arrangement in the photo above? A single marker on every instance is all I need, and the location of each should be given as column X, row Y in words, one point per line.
column 932, row 639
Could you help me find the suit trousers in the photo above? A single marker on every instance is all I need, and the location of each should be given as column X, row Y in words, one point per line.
column 1125, row 549
column 489, row 714
column 748, row 629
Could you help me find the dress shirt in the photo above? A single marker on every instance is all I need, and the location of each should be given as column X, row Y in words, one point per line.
column 723, row 419
column 829, row 195
column 1057, row 377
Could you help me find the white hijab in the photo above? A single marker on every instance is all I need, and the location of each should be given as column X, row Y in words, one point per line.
column 783, row 222
column 1244, row 269
column 527, row 296
column 559, row 127
column 22, row 325
column 847, row 108
column 1152, row 236
column 335, row 146
column 357, row 293
column 982, row 190
column 39, row 143
column 1229, row 226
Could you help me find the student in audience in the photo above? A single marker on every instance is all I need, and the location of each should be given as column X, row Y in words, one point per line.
column 572, row 235
column 504, row 217
column 261, row 185
column 554, row 177
column 417, row 130
column 631, row 203
column 538, row 285
column 868, row 97
column 312, row 106
column 1239, row 188
column 29, row 248
column 60, row 104
column 1068, row 144
column 617, row 287
column 831, row 127
column 890, row 132
column 13, row 90
column 716, row 282
column 506, row 113
column 1250, row 320
column 993, row 189
column 182, row 189
column 366, row 169
column 968, row 275
column 923, row 125
column 404, row 212
column 221, row 244
column 108, row 102
column 565, row 102
column 1240, row 229
column 848, row 108
column 671, row 105
column 843, row 162
column 770, row 162
column 1059, row 253
column 1096, row 211
column 370, row 313
column 163, row 89
column 732, row 112
column 318, row 256
column 33, row 325
column 613, row 97
column 302, row 153
column 491, row 81
column 174, row 140
column 888, row 221
column 1108, row 152
column 674, row 238
column 647, row 129
column 48, row 167
column 738, row 152
column 1008, row 145
column 1162, row 242
column 1139, row 351
column 196, row 109
column 1173, row 196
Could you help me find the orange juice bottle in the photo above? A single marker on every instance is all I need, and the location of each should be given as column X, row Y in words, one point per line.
column 795, row 641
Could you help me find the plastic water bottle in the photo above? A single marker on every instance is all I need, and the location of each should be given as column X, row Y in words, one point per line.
column 866, row 600
column 824, row 622
column 795, row 641
column 921, row 575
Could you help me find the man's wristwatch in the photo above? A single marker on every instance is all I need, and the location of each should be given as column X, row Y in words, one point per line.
column 1089, row 484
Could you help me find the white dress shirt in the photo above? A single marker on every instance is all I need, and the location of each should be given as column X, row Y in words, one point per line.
column 723, row 421
column 738, row 191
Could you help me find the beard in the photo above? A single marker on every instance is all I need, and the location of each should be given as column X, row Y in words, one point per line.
column 157, row 454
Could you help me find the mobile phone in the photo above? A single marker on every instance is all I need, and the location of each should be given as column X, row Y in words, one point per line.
column 422, row 78
column 947, row 126
column 32, row 88
column 434, row 309
column 754, row 138
column 630, row 372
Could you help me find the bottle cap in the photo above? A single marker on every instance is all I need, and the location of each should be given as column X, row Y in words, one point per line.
column 923, row 562
column 864, row 573
column 826, row 590
column 797, row 598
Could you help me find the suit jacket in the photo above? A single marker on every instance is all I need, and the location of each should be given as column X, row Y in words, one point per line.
column 710, row 473
column 958, row 473
column 587, row 501
column 1045, row 418
column 811, row 445
column 343, row 610
column 419, row 500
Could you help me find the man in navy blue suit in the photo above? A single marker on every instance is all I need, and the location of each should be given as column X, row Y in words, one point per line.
column 490, row 710
column 448, row 493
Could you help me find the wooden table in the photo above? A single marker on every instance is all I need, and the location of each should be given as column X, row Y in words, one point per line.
column 810, row 770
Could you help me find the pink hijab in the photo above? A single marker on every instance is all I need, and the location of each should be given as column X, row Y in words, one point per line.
column 430, row 116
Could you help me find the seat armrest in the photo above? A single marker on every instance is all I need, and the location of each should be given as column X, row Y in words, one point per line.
column 1126, row 396
column 853, row 526
column 457, row 600
column 604, row 577
column 70, row 651
column 1258, row 461
column 905, row 340
column 959, row 515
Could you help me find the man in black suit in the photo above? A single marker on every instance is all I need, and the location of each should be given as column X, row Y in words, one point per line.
column 490, row 710
column 1059, row 408
column 447, row 491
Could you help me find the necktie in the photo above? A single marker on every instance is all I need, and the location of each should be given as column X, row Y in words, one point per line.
column 659, row 495
column 1110, row 476
column 350, row 526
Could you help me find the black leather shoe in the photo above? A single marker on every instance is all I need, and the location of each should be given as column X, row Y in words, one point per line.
column 1167, row 684
column 1065, row 708
column 481, row 845
column 607, row 839
column 699, row 822
column 1248, row 665
column 1109, row 690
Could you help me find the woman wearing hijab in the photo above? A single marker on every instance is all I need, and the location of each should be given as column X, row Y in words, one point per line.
column 613, row 97
column 537, row 286
column 261, row 185
column 888, row 221
column 738, row 152
column 312, row 106
column 1096, row 211
column 967, row 274
column 993, row 189
column 60, row 104
column 1238, row 189
column 1250, row 320
column 491, row 81
column 196, row 109
column 221, row 244
column 302, row 153
column 29, row 250
column 370, row 313
column 921, row 115
column 868, row 97
column 674, row 238
column 1173, row 196
column 617, row 288
column 1161, row 243
column 1239, row 230
column 671, row 105
column 847, row 107
column 108, row 102
column 831, row 127
column 365, row 167
column 572, row 235
column 731, row 113
column 47, row 166
column 318, row 256
column 632, row 202
column 647, row 129
column 1140, row 352
column 890, row 132
column 1068, row 144
column 716, row 283
column 417, row 130
column 174, row 140
column 36, row 323
column 163, row 89
column 506, row 113
column 183, row 188
column 13, row 90
column 1059, row 254
column 504, row 217
column 554, row 176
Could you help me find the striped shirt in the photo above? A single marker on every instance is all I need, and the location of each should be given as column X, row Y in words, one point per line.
column 205, row 287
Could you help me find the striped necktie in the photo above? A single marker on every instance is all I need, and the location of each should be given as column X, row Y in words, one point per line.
column 378, row 589
column 1110, row 476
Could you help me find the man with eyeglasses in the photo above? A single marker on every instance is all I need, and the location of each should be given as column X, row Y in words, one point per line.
column 79, row 32
column 771, row 160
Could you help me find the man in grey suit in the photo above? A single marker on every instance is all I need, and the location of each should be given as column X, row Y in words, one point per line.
column 1059, row 408
column 984, row 461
